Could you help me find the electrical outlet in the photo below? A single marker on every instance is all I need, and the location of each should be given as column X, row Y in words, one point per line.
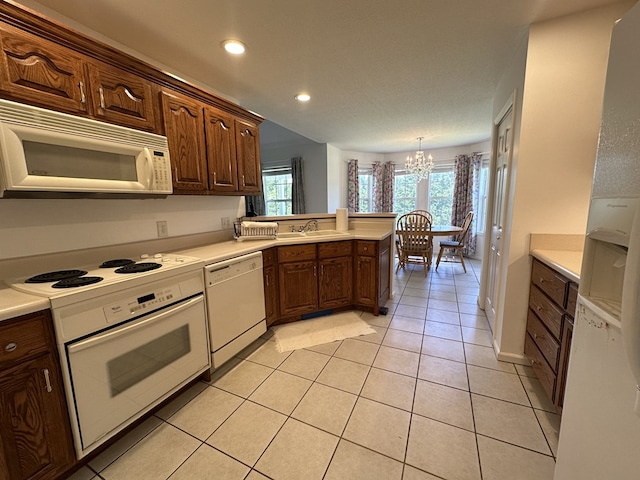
column 226, row 222
column 163, row 228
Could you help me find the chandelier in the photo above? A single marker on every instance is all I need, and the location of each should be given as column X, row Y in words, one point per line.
column 421, row 166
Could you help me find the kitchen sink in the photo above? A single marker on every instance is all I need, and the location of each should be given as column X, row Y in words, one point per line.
column 291, row 234
column 316, row 233
column 325, row 233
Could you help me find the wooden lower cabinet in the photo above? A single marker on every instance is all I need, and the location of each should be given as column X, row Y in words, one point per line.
column 329, row 275
column 270, row 279
column 371, row 276
column 552, row 304
column 35, row 436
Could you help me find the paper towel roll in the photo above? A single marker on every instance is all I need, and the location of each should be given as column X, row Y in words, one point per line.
column 342, row 219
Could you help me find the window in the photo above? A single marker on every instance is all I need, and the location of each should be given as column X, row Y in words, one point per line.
column 440, row 195
column 277, row 190
column 405, row 193
column 365, row 190
column 483, row 193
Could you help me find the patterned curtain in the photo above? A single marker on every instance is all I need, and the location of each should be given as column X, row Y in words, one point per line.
column 387, row 186
column 353, row 186
column 383, row 179
column 378, row 184
column 297, row 186
column 465, row 195
column 255, row 202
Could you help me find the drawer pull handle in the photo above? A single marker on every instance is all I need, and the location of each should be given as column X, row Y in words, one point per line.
column 46, row 379
column 10, row 347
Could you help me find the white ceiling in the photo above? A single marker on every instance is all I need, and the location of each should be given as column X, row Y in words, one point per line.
column 380, row 72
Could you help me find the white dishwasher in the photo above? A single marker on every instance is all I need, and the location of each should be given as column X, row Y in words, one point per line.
column 235, row 305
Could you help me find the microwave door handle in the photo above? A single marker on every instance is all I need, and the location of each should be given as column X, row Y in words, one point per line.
column 148, row 157
column 119, row 332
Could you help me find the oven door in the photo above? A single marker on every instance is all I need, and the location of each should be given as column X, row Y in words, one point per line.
column 121, row 373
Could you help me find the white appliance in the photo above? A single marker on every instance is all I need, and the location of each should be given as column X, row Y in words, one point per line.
column 600, row 426
column 235, row 304
column 47, row 153
column 128, row 339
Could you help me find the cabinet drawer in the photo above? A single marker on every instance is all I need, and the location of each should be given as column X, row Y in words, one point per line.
column 335, row 249
column 22, row 338
column 543, row 371
column 269, row 256
column 367, row 248
column 546, row 311
column 549, row 282
column 293, row 253
column 548, row 346
column 572, row 299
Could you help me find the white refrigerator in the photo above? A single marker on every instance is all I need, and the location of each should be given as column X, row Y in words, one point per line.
column 600, row 426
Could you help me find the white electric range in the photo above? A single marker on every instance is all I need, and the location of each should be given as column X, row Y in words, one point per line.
column 130, row 333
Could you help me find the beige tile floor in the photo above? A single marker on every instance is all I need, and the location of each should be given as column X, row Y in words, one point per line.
column 422, row 398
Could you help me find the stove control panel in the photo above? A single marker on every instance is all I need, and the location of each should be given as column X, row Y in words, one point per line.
column 136, row 306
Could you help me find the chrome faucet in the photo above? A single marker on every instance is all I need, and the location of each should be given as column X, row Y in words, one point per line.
column 308, row 226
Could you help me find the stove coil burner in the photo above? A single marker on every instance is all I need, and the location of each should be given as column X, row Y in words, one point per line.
column 138, row 267
column 76, row 282
column 118, row 262
column 55, row 276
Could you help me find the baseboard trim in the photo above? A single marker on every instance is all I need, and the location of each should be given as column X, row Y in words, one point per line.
column 518, row 358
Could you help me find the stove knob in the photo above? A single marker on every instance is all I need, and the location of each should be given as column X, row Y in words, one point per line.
column 144, row 255
column 166, row 259
column 179, row 259
column 157, row 255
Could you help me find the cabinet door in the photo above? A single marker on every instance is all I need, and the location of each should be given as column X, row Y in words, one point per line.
column 335, row 282
column 567, row 335
column 384, row 271
column 122, row 98
column 184, row 128
column 41, row 73
column 34, row 427
column 270, row 294
column 366, row 291
column 221, row 151
column 248, row 157
column 298, row 282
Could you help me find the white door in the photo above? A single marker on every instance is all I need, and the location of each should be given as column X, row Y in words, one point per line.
column 500, row 177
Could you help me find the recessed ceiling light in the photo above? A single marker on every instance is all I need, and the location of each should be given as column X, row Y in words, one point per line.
column 303, row 97
column 234, row 47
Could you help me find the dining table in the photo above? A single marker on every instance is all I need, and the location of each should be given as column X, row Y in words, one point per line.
column 441, row 231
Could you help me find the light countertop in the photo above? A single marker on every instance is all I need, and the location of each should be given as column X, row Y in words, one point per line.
column 14, row 303
column 566, row 262
column 218, row 252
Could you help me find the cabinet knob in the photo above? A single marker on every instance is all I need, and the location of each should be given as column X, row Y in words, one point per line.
column 10, row 347
column 541, row 280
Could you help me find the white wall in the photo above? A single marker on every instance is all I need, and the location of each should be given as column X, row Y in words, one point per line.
column 34, row 226
column 314, row 159
column 560, row 119
column 336, row 180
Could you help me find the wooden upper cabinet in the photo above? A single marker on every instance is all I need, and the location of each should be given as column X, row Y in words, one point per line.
column 41, row 73
column 248, row 155
column 120, row 97
column 221, row 150
column 184, row 128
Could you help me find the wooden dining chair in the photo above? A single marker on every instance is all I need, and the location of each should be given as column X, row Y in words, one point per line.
column 426, row 213
column 414, row 243
column 456, row 245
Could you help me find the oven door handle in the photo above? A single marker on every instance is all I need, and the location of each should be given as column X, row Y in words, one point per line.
column 127, row 329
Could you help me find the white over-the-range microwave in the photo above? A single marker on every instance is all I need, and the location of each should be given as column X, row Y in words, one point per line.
column 44, row 153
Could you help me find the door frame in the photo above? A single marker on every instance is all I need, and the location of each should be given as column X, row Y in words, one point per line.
column 510, row 105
